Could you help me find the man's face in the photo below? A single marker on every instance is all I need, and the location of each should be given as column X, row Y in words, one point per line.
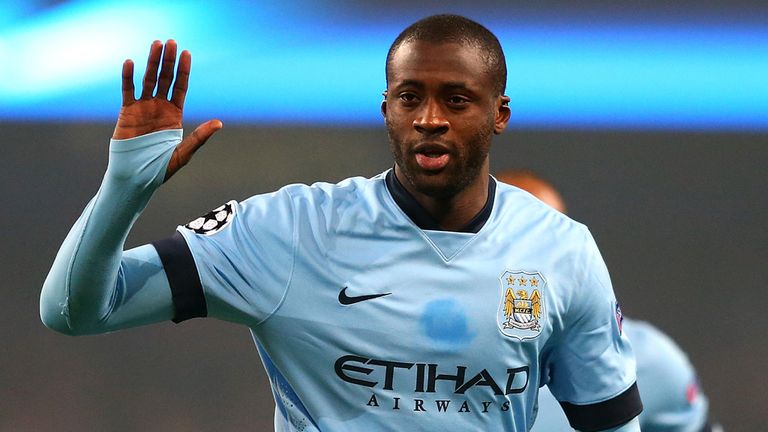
column 441, row 111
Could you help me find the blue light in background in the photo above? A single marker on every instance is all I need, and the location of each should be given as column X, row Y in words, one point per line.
column 641, row 77
column 289, row 65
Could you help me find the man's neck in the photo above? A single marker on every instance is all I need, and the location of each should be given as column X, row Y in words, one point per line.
column 456, row 213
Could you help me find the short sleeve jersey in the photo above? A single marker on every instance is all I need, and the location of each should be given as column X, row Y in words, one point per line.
column 367, row 320
column 667, row 381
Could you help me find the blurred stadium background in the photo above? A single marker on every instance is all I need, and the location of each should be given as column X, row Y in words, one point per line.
column 652, row 119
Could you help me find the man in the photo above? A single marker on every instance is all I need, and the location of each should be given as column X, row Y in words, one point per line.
column 667, row 381
column 428, row 297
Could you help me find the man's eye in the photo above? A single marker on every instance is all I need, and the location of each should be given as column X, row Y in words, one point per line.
column 458, row 100
column 407, row 97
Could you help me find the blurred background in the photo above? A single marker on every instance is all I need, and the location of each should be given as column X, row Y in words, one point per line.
column 650, row 117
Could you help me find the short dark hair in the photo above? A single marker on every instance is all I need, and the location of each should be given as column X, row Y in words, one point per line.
column 448, row 28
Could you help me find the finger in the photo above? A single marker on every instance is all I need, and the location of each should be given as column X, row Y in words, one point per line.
column 182, row 79
column 189, row 145
column 150, row 75
column 128, row 89
column 166, row 72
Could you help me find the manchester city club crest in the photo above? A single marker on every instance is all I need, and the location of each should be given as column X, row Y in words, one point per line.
column 521, row 308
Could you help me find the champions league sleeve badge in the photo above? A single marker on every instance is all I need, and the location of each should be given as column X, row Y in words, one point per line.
column 215, row 220
column 619, row 319
column 521, row 307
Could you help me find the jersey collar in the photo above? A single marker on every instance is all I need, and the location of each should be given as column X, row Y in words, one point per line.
column 423, row 219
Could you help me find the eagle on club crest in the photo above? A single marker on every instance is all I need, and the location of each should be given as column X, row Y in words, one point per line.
column 521, row 306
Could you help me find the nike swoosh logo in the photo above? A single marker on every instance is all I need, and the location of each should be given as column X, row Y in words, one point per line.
column 347, row 300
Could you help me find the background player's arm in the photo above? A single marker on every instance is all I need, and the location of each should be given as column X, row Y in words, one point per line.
column 668, row 383
column 93, row 286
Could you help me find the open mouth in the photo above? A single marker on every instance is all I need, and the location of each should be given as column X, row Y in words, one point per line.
column 432, row 157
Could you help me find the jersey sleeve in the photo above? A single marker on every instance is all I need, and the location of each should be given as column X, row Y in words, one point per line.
column 668, row 382
column 233, row 263
column 93, row 286
column 592, row 370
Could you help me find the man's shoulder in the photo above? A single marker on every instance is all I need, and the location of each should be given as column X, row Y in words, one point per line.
column 324, row 202
column 350, row 189
column 321, row 190
column 516, row 207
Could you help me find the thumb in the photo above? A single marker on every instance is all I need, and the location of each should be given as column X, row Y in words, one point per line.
column 189, row 145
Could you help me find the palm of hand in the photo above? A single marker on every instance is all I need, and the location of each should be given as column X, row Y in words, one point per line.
column 154, row 111
column 145, row 116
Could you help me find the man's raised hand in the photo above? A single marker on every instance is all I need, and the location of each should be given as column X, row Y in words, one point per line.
column 153, row 111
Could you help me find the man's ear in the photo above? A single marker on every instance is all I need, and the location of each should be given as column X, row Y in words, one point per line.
column 384, row 104
column 503, row 114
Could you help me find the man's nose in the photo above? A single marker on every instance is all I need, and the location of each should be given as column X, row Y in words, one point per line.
column 431, row 119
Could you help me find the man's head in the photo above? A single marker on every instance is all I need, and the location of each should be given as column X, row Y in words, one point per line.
column 457, row 29
column 534, row 184
column 444, row 101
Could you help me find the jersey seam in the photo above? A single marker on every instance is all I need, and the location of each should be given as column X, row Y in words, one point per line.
column 71, row 263
column 75, row 254
column 260, row 347
column 582, row 281
column 294, row 249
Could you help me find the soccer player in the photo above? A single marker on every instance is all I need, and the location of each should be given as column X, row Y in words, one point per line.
column 667, row 381
column 429, row 297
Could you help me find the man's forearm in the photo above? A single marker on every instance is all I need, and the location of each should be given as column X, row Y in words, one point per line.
column 80, row 290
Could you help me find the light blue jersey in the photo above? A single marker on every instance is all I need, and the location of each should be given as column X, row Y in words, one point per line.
column 667, row 381
column 366, row 317
column 351, row 302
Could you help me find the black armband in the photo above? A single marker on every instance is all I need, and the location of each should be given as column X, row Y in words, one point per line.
column 607, row 414
column 186, row 289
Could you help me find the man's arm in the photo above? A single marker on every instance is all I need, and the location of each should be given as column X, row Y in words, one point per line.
column 593, row 367
column 551, row 418
column 93, row 286
column 631, row 426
